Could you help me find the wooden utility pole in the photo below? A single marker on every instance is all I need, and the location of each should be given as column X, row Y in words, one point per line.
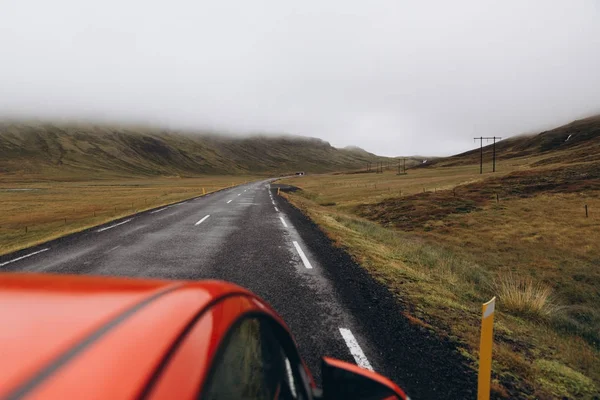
column 403, row 166
column 481, row 138
column 494, row 147
column 480, row 154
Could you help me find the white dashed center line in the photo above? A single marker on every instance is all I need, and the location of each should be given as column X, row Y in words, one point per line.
column 283, row 222
column 276, row 209
column 355, row 350
column 114, row 248
column 229, row 201
column 25, row 256
column 202, row 220
column 239, row 194
column 113, row 226
column 302, row 255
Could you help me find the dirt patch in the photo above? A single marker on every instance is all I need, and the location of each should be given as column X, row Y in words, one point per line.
column 416, row 211
column 574, row 178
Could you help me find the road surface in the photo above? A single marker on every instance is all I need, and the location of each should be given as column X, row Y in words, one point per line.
column 252, row 237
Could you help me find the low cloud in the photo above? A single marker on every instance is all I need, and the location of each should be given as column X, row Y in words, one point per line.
column 393, row 77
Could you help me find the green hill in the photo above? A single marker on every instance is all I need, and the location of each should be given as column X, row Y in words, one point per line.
column 91, row 151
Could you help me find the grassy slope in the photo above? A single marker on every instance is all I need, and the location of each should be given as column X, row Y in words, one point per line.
column 443, row 244
column 84, row 151
column 576, row 141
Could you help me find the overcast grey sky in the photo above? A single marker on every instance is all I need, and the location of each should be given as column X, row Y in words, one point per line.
column 394, row 77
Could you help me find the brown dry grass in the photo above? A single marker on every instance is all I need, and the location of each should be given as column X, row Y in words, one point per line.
column 522, row 296
column 445, row 252
column 36, row 211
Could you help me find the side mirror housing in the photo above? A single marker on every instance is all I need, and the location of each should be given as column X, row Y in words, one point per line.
column 345, row 381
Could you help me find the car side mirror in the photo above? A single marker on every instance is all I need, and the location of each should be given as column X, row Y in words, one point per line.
column 342, row 380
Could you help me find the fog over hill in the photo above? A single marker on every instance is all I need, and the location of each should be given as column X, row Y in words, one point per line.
column 96, row 150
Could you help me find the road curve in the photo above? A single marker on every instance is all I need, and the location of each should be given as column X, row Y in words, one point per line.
column 252, row 237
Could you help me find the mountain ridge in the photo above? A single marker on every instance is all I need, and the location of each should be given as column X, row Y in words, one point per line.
column 96, row 150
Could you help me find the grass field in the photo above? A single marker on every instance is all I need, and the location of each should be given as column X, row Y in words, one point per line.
column 445, row 240
column 35, row 211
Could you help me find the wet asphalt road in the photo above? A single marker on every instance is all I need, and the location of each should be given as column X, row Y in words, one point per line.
column 252, row 237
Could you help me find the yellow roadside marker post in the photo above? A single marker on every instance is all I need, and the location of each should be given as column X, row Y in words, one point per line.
column 485, row 350
column 277, row 191
column 203, row 191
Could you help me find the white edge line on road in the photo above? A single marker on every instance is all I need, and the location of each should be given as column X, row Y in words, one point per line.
column 156, row 211
column 202, row 220
column 25, row 256
column 115, row 225
column 276, row 209
column 355, row 350
column 283, row 222
column 302, row 255
column 229, row 201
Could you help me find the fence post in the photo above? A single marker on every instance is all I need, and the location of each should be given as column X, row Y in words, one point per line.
column 586, row 211
column 485, row 350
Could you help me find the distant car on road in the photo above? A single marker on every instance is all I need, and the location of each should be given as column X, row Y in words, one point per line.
column 300, row 173
column 81, row 337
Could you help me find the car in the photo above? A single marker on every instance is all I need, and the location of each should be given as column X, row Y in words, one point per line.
column 85, row 337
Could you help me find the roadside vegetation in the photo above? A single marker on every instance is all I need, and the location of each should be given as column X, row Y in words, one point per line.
column 35, row 211
column 445, row 239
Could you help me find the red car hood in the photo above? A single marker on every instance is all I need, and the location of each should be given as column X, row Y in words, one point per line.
column 92, row 327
